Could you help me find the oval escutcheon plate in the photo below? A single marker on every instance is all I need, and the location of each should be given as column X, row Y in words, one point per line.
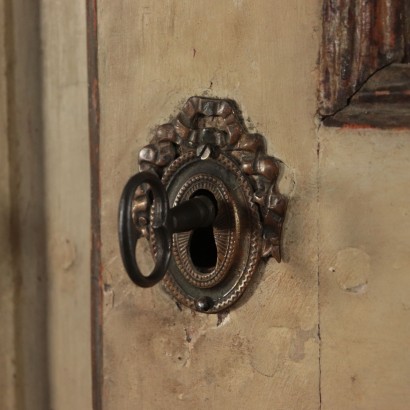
column 195, row 272
column 207, row 151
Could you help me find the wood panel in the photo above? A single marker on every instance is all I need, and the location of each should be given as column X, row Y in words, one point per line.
column 327, row 328
column 152, row 57
column 66, row 202
column 364, row 225
column 45, row 207
column 27, row 234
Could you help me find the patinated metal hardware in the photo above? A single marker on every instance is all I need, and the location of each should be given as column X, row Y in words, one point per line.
column 226, row 212
column 197, row 212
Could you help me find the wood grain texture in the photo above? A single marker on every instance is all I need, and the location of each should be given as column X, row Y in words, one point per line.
column 152, row 57
column 358, row 38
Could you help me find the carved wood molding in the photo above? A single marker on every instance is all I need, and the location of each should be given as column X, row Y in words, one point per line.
column 359, row 38
column 382, row 102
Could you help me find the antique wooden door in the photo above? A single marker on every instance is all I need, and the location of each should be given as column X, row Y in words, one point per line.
column 328, row 327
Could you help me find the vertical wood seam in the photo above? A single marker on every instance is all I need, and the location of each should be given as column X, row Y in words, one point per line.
column 318, row 262
column 96, row 267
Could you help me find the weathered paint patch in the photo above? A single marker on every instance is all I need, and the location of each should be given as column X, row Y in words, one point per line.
column 352, row 270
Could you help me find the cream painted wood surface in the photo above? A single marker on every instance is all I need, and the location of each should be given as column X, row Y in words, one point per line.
column 328, row 327
column 152, row 57
column 45, row 207
column 364, row 231
column 67, row 202
column 7, row 271
column 27, row 215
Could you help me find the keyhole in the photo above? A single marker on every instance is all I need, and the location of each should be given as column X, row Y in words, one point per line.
column 202, row 246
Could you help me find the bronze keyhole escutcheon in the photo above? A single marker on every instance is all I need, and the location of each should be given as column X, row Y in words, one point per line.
column 207, row 201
